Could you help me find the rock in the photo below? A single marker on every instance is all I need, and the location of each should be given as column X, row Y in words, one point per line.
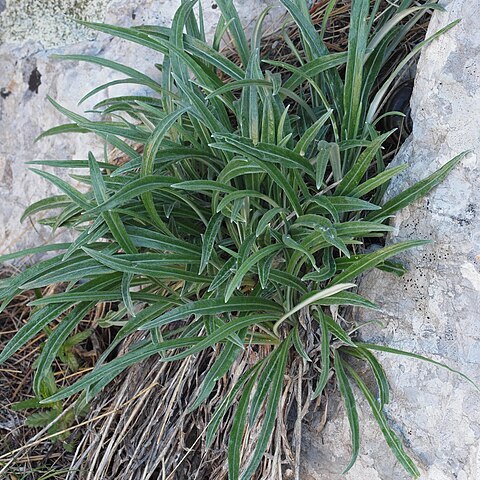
column 433, row 310
column 33, row 30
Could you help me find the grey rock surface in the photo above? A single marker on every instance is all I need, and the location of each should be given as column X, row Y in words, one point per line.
column 31, row 32
column 434, row 310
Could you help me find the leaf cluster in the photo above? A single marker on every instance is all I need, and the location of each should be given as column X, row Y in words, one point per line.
column 243, row 205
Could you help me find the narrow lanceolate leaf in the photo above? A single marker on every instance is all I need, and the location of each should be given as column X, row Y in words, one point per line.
column 112, row 219
column 347, row 298
column 370, row 260
column 106, row 373
column 130, row 72
column 126, row 295
column 311, row 300
column 337, row 331
column 309, row 136
column 149, row 154
column 66, row 128
column 350, row 407
column 358, row 170
column 135, row 188
column 270, row 411
column 220, row 367
column 291, row 243
column 209, row 238
column 297, row 343
column 221, row 334
column 74, row 194
column 236, row 29
column 310, row 36
column 39, row 320
column 267, row 152
column 245, row 267
column 378, row 372
column 222, row 275
column 214, row 306
column 266, row 219
column 416, row 191
column 357, row 45
column 55, row 341
column 227, row 402
column 384, row 348
column 264, row 383
column 33, row 251
column 392, row 439
column 376, row 181
column 351, row 204
column 321, row 163
column 235, row 440
column 324, row 356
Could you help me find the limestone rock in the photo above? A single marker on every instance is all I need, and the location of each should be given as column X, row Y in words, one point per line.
column 434, row 309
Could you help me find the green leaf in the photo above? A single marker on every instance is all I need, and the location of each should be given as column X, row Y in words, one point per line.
column 377, row 369
column 371, row 260
column 393, row 441
column 208, row 243
column 384, row 348
column 297, row 343
column 214, row 307
column 350, row 407
column 126, row 295
column 356, row 173
column 347, row 298
column 267, row 218
column 237, row 431
column 338, row 331
column 245, row 267
column 377, row 180
column 351, row 204
column 267, row 152
column 270, row 410
column 321, row 162
column 219, row 368
column 71, row 192
column 311, row 133
column 33, row 251
column 416, row 191
column 140, row 78
column 54, row 343
column 357, row 45
column 311, row 300
column 151, row 149
column 324, row 356
column 227, row 402
column 37, row 322
column 112, row 219
column 222, row 275
column 236, row 29
column 59, row 129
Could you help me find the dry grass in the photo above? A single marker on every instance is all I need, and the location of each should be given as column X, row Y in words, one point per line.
column 140, row 426
column 25, row 452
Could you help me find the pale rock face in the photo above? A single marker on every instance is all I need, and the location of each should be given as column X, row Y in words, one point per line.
column 31, row 32
column 434, row 310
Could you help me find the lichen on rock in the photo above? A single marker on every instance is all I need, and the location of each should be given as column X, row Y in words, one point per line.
column 49, row 23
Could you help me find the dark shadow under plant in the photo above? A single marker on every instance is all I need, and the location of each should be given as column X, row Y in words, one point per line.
column 242, row 221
